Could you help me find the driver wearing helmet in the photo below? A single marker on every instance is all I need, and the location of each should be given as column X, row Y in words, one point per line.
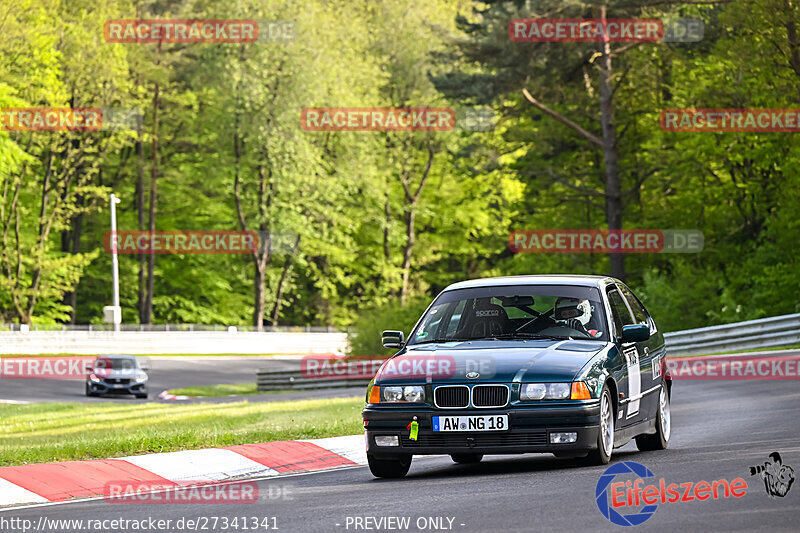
column 573, row 313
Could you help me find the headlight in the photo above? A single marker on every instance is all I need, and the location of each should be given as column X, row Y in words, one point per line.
column 141, row 377
column 411, row 394
column 532, row 391
column 414, row 394
column 545, row 391
column 94, row 378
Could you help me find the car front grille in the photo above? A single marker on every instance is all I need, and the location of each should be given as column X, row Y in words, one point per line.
column 469, row 440
column 489, row 395
column 452, row 396
column 115, row 381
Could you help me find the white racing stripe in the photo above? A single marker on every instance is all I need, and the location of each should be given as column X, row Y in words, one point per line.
column 350, row 447
column 12, row 494
column 200, row 465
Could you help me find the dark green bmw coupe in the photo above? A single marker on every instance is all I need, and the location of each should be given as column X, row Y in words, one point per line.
column 569, row 365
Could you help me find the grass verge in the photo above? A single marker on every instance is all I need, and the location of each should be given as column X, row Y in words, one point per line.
column 212, row 391
column 47, row 432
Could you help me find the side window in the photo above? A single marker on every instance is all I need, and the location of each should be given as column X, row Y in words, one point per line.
column 639, row 312
column 622, row 317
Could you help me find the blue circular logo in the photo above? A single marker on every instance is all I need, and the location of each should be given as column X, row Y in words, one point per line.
column 603, row 499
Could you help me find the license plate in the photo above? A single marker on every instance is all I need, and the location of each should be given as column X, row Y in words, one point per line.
column 118, row 385
column 471, row 423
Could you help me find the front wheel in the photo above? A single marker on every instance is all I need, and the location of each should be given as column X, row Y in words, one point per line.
column 605, row 437
column 89, row 391
column 466, row 458
column 660, row 439
column 394, row 467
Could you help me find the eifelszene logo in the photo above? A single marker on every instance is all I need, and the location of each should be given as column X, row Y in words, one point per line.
column 778, row 477
column 640, row 500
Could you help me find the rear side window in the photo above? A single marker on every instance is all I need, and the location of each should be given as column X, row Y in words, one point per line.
column 622, row 317
column 639, row 312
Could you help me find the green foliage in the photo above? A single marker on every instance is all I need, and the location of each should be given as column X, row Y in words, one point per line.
column 365, row 336
column 349, row 196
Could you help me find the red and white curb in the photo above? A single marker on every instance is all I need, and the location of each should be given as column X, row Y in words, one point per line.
column 166, row 395
column 53, row 482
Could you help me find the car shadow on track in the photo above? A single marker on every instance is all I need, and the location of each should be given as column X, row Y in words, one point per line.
column 513, row 464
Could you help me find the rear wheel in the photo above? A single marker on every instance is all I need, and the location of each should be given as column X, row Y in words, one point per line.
column 660, row 439
column 390, row 467
column 466, row 458
column 605, row 437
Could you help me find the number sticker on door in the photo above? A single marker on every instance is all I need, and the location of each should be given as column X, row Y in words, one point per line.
column 634, row 380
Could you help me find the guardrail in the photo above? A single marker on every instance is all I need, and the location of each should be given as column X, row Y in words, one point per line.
column 281, row 380
column 751, row 334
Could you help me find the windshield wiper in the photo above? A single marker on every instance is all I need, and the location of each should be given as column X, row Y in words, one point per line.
column 441, row 340
column 523, row 335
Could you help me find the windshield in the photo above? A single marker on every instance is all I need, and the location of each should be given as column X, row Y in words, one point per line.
column 109, row 363
column 510, row 312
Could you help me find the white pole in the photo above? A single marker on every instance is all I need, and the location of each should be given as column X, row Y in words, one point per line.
column 114, row 263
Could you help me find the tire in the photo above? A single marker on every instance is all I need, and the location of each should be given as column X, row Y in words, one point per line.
column 605, row 437
column 466, row 458
column 89, row 391
column 660, row 439
column 395, row 467
column 142, row 396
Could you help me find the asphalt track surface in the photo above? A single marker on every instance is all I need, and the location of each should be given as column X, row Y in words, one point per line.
column 720, row 429
column 173, row 373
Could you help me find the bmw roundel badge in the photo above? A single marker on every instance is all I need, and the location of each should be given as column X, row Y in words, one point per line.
column 473, row 375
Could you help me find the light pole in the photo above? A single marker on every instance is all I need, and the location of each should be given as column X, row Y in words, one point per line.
column 117, row 312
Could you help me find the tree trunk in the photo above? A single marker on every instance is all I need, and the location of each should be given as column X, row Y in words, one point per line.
column 151, row 258
column 140, row 207
column 276, row 310
column 613, row 203
column 410, row 216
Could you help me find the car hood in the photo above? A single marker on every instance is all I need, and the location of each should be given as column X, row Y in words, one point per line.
column 497, row 361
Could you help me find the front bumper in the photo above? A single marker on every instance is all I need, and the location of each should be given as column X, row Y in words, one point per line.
column 105, row 387
column 529, row 430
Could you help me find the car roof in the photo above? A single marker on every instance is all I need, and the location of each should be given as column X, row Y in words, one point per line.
column 549, row 279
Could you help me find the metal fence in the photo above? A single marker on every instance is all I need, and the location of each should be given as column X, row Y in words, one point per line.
column 282, row 380
column 751, row 334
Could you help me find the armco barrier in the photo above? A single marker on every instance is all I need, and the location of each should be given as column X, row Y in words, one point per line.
column 169, row 342
column 279, row 380
column 751, row 334
column 269, row 380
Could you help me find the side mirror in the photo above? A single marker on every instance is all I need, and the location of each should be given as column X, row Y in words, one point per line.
column 89, row 367
column 392, row 339
column 635, row 333
column 144, row 368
